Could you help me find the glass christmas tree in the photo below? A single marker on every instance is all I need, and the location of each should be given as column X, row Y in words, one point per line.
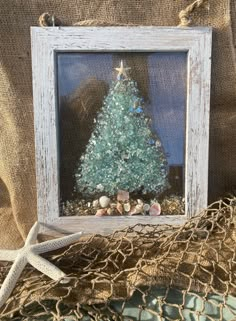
column 122, row 153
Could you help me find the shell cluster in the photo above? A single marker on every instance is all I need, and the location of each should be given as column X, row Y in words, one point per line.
column 125, row 206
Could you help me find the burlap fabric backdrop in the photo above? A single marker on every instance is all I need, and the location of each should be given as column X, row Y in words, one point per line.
column 17, row 168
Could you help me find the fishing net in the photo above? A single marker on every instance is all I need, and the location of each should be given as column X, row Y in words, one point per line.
column 144, row 272
column 17, row 167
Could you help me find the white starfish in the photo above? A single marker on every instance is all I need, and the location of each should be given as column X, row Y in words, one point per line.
column 29, row 253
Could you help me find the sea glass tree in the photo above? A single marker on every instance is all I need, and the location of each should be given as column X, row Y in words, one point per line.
column 122, row 153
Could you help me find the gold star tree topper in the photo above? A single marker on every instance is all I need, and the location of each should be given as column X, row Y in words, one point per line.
column 122, row 71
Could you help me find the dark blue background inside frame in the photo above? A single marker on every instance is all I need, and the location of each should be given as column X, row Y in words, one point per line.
column 167, row 83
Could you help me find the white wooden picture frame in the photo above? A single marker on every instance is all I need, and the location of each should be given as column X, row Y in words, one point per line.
column 46, row 42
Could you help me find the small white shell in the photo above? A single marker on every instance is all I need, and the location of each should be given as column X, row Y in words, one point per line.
column 104, row 201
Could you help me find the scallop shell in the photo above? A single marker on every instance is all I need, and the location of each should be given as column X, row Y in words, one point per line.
column 155, row 209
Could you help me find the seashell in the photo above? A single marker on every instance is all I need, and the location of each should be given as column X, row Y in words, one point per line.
column 140, row 201
column 138, row 209
column 101, row 212
column 119, row 208
column 127, row 207
column 113, row 205
column 132, row 210
column 146, row 207
column 109, row 211
column 155, row 209
column 122, row 196
column 104, row 201
column 112, row 212
column 95, row 203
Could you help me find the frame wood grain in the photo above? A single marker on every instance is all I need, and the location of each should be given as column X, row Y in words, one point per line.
column 46, row 42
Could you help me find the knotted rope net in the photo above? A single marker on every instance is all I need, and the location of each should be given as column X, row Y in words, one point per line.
column 144, row 272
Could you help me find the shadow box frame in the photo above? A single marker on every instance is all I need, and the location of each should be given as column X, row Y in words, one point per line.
column 46, row 42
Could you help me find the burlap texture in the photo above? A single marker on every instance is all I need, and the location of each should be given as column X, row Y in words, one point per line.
column 17, row 168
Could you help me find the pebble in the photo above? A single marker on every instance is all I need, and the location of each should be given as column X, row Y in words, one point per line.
column 101, row 212
column 104, row 201
column 155, row 209
column 95, row 203
column 119, row 208
column 122, row 196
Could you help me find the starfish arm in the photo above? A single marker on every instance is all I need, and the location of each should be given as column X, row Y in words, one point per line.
column 56, row 244
column 45, row 266
column 33, row 234
column 8, row 255
column 11, row 279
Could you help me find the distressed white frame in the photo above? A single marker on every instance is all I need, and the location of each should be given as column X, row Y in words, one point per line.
column 47, row 41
